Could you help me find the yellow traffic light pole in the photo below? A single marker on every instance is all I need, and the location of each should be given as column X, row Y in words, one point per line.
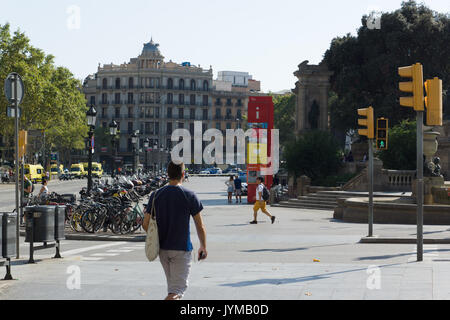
column 415, row 72
column 370, row 134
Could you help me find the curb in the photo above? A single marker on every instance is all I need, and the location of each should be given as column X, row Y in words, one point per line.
column 93, row 237
column 376, row 239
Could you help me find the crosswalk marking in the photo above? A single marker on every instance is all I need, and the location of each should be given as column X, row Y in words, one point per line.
column 104, row 254
column 91, row 258
column 119, row 250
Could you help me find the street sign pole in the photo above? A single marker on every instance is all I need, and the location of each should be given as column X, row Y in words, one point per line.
column 16, row 120
column 370, row 174
column 419, row 185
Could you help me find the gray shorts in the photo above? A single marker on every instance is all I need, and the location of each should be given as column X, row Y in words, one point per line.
column 176, row 265
column 238, row 192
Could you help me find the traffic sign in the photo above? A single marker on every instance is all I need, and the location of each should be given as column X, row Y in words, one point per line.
column 10, row 83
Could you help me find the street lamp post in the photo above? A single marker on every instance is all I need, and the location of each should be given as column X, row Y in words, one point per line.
column 146, row 144
column 155, row 159
column 160, row 155
column 134, row 142
column 113, row 133
column 91, row 115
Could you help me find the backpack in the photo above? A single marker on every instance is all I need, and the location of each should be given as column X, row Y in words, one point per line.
column 265, row 194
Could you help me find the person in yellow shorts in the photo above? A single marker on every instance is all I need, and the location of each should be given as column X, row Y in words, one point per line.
column 260, row 203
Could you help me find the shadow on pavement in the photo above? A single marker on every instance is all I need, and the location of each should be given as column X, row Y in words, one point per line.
column 390, row 256
column 298, row 279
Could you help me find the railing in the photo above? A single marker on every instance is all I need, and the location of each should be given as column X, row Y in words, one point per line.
column 399, row 178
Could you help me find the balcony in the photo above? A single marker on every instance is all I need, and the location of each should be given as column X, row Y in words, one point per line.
column 218, row 117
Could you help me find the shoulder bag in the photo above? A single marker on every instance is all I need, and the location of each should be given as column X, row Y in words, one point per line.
column 152, row 239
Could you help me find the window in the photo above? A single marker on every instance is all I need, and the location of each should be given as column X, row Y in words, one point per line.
column 181, row 84
column 169, row 98
column 218, row 125
column 218, row 113
column 130, row 127
column 205, row 100
column 93, row 100
column 131, row 82
column 239, row 114
column 105, row 83
column 180, row 125
column 181, row 98
column 117, row 98
column 104, row 98
column 205, row 114
column 218, row 102
column 169, row 113
column 103, row 112
column 169, row 143
column 228, row 125
column 169, row 127
column 205, row 85
column 170, row 83
column 228, row 102
column 228, row 114
column 117, row 112
column 193, row 86
column 104, row 125
column 180, row 113
column 192, row 115
column 156, row 127
column 130, row 97
column 239, row 103
column 192, row 99
column 117, row 83
column 130, row 112
column 156, row 112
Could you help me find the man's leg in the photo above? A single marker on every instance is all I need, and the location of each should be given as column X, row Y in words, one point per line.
column 179, row 264
column 263, row 209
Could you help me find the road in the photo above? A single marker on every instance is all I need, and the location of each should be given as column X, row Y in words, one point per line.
column 305, row 254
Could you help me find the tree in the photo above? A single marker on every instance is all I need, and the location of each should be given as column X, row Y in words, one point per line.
column 284, row 117
column 315, row 154
column 53, row 100
column 365, row 66
column 402, row 150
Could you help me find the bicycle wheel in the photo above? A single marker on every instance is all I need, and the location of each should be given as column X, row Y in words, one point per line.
column 75, row 221
column 89, row 221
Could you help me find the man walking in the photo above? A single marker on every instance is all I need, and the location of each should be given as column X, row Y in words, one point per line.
column 260, row 203
column 174, row 205
column 238, row 189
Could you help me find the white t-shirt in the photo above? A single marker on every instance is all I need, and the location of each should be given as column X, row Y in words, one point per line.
column 259, row 189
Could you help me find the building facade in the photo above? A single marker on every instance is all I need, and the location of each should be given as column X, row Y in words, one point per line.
column 156, row 97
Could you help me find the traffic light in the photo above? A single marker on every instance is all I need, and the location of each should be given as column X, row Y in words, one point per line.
column 382, row 134
column 415, row 86
column 367, row 122
column 433, row 101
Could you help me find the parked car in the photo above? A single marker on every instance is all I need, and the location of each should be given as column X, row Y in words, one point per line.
column 211, row 171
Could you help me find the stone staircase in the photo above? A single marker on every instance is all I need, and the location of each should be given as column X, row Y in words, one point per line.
column 320, row 200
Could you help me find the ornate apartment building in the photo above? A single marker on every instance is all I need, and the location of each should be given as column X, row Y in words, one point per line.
column 157, row 97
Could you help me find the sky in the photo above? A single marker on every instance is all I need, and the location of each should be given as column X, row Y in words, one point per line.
column 268, row 39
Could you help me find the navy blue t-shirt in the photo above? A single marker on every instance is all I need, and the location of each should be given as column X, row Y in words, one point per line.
column 238, row 183
column 174, row 207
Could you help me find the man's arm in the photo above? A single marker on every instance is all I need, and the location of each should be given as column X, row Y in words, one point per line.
column 201, row 232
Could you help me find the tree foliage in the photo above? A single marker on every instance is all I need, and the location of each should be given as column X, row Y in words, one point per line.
column 315, row 154
column 365, row 66
column 284, row 117
column 53, row 100
column 402, row 150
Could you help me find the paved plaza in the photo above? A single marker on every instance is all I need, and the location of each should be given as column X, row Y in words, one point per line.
column 305, row 254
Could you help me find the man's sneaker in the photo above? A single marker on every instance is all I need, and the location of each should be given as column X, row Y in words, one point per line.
column 273, row 219
column 254, row 222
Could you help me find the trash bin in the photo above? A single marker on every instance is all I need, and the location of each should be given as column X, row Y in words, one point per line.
column 9, row 221
column 44, row 223
column 60, row 217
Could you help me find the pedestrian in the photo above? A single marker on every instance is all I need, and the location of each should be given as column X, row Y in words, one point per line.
column 238, row 189
column 230, row 189
column 27, row 187
column 174, row 205
column 260, row 203
column 44, row 189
